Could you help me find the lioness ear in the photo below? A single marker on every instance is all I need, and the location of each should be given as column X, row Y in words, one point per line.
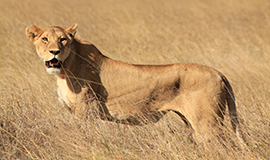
column 72, row 30
column 31, row 32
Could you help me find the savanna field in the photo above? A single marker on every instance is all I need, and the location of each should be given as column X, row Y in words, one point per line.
column 228, row 35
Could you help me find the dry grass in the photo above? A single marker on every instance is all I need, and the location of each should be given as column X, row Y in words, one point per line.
column 231, row 36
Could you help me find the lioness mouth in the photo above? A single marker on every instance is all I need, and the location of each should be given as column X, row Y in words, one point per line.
column 54, row 63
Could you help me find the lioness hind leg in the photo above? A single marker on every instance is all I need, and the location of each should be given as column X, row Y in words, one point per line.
column 188, row 125
column 206, row 127
column 206, row 130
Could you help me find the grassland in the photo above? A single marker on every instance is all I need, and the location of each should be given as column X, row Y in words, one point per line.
column 231, row 36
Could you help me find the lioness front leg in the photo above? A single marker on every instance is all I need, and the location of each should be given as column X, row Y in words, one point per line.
column 63, row 104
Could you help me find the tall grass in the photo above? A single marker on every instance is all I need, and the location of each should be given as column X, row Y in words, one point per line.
column 231, row 36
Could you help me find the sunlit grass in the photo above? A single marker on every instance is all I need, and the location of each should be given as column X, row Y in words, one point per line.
column 231, row 36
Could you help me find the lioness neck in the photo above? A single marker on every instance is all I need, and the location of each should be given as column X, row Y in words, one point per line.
column 80, row 70
column 82, row 55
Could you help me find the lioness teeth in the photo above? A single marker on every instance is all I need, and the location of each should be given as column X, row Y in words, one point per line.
column 52, row 64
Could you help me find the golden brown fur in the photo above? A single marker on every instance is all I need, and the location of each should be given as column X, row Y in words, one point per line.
column 133, row 94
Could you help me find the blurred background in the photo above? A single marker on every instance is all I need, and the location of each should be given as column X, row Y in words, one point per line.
column 232, row 36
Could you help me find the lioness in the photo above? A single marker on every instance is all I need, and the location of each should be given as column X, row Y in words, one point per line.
column 133, row 94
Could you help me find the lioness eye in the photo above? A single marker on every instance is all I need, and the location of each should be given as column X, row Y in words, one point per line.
column 62, row 39
column 45, row 39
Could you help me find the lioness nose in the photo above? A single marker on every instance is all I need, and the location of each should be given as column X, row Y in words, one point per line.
column 55, row 52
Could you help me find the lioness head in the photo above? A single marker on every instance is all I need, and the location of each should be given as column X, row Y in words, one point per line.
column 53, row 45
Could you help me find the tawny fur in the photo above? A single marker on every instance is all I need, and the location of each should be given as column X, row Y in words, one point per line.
column 133, row 94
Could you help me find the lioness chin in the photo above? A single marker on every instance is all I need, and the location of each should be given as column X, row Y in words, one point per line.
column 132, row 94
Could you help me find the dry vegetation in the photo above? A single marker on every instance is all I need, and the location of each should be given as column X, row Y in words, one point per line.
column 231, row 36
